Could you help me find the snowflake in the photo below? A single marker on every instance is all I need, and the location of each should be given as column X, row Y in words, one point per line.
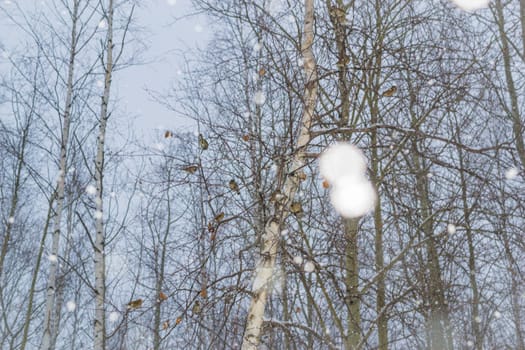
column 71, row 306
column 511, row 173
column 471, row 5
column 257, row 47
column 90, row 189
column 113, row 316
column 353, row 199
column 309, row 266
column 298, row 260
column 342, row 159
column 344, row 166
column 259, row 98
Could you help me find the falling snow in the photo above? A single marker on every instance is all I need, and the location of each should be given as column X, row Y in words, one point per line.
column 91, row 190
column 344, row 166
column 309, row 266
column 353, row 198
column 511, row 173
column 298, row 260
column 471, row 5
column 113, row 316
column 257, row 47
column 71, row 306
column 259, row 98
column 342, row 159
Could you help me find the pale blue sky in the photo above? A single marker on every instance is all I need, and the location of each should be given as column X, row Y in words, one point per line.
column 169, row 26
column 163, row 61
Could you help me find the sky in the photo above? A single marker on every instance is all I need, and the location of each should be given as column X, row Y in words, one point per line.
column 170, row 26
column 171, row 30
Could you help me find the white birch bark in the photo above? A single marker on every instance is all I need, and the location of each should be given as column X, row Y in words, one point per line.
column 100, row 239
column 49, row 322
column 270, row 239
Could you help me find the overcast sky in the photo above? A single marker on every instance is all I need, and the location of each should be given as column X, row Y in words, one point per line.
column 168, row 27
column 163, row 67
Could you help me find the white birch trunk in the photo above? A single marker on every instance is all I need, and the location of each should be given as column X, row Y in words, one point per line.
column 49, row 322
column 100, row 263
column 271, row 237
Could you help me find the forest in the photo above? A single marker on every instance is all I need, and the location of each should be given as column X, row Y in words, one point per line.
column 235, row 229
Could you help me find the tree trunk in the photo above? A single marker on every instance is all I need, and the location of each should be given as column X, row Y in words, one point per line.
column 270, row 240
column 478, row 336
column 14, row 199
column 34, row 277
column 517, row 125
column 49, row 322
column 352, row 297
column 100, row 240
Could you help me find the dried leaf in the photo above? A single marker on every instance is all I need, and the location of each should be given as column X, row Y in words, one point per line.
column 168, row 134
column 166, row 324
column 246, row 137
column 178, row 320
column 204, row 292
column 262, row 72
column 326, row 184
column 162, row 296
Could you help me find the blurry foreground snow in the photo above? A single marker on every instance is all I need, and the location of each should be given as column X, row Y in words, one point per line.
column 511, row 173
column 344, row 166
column 71, row 306
column 471, row 5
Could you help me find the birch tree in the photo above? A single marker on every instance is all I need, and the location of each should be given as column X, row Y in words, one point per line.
column 270, row 241
column 65, row 115
column 99, row 247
